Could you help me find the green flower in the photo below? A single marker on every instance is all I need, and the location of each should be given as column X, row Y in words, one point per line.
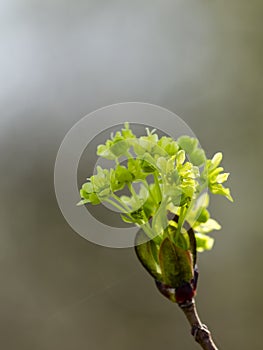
column 119, row 177
column 97, row 188
column 169, row 146
column 118, row 145
column 190, row 146
column 173, row 175
column 215, row 178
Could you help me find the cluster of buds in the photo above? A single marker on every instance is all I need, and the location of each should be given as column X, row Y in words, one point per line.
column 172, row 178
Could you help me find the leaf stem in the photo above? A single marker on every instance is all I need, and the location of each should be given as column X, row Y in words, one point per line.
column 148, row 230
column 116, row 205
column 180, row 222
column 157, row 184
column 125, row 206
column 146, row 185
column 133, row 192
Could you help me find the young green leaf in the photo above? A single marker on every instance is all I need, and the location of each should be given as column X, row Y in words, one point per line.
column 147, row 254
column 175, row 263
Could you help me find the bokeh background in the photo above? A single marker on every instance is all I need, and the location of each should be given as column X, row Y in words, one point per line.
column 60, row 60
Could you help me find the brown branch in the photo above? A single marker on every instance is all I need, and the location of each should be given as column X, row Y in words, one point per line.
column 199, row 331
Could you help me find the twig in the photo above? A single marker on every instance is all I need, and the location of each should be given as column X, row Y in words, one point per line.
column 199, row 331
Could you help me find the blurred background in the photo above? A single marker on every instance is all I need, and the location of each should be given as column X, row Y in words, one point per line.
column 61, row 60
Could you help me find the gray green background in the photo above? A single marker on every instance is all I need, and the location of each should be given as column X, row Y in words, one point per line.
column 63, row 59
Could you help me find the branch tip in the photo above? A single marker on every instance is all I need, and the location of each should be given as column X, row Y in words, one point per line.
column 199, row 331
